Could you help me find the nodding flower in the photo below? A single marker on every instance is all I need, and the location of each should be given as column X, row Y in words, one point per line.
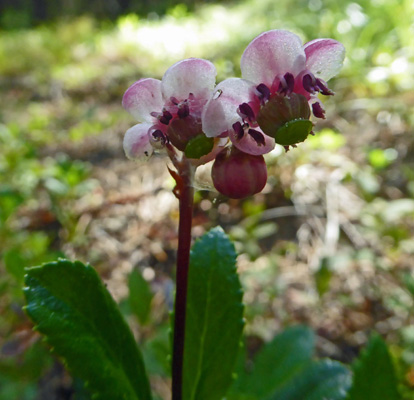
column 278, row 92
column 168, row 110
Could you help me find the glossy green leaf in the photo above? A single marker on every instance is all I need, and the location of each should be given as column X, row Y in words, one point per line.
column 319, row 380
column 374, row 374
column 199, row 146
column 214, row 318
column 72, row 308
column 276, row 363
column 140, row 296
column 293, row 132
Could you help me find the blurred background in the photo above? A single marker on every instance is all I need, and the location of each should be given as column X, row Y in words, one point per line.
column 329, row 243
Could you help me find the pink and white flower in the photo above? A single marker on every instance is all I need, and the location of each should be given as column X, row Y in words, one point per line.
column 168, row 110
column 280, row 86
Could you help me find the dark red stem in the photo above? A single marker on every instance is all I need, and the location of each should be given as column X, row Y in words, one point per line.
column 185, row 193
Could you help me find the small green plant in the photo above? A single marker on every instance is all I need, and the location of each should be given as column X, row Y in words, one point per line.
column 194, row 122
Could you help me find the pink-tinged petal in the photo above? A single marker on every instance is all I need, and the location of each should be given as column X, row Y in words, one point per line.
column 142, row 98
column 249, row 145
column 270, row 54
column 137, row 144
column 220, row 113
column 193, row 75
column 324, row 57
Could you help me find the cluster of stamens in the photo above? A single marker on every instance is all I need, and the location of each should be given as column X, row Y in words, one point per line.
column 249, row 122
column 176, row 108
column 313, row 85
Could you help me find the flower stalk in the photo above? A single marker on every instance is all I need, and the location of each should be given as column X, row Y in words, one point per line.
column 184, row 191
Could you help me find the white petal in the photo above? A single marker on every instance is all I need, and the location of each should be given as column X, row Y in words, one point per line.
column 137, row 145
column 193, row 75
column 270, row 54
column 324, row 57
column 248, row 145
column 220, row 113
column 142, row 98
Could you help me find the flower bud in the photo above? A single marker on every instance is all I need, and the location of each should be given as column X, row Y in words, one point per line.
column 237, row 175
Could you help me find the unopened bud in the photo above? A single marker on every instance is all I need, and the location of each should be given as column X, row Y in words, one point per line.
column 238, row 175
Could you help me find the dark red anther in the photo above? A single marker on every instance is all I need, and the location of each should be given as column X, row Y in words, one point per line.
column 286, row 84
column 257, row 136
column 264, row 93
column 246, row 111
column 323, row 88
column 308, row 82
column 238, row 128
column 318, row 110
column 159, row 136
column 183, row 110
column 174, row 100
column 290, row 83
column 166, row 117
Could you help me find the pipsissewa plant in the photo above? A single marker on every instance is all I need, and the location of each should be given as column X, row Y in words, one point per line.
column 194, row 122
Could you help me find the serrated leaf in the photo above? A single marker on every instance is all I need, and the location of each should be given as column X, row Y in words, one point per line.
column 374, row 374
column 140, row 296
column 319, row 380
column 276, row 363
column 214, row 318
column 199, row 146
column 72, row 308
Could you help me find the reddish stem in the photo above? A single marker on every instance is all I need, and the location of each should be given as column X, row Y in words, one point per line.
column 185, row 193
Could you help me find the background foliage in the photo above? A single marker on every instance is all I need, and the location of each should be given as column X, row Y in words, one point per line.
column 328, row 244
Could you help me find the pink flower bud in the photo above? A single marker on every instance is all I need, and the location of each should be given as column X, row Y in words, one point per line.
column 237, row 175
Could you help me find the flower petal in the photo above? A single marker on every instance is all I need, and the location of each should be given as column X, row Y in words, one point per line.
column 324, row 57
column 193, row 75
column 142, row 98
column 220, row 113
column 248, row 145
column 270, row 54
column 137, row 144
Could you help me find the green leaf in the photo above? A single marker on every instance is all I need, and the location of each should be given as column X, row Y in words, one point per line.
column 323, row 276
column 72, row 308
column 277, row 362
column 319, row 380
column 214, row 318
column 157, row 352
column 293, row 132
column 374, row 374
column 14, row 262
column 284, row 370
column 140, row 296
column 199, row 146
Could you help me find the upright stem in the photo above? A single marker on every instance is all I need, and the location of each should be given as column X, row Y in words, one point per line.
column 185, row 194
